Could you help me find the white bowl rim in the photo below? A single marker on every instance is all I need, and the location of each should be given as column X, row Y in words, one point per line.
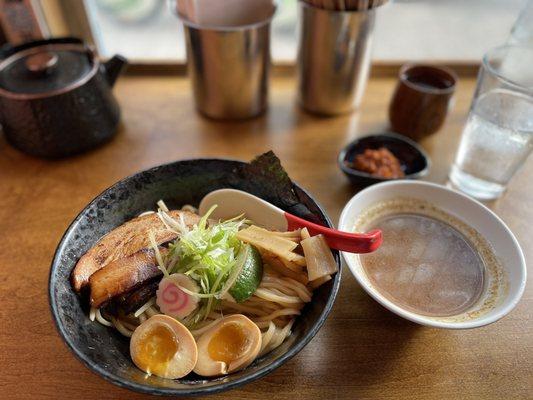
column 514, row 297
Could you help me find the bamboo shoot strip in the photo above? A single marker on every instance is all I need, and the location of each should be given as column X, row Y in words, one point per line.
column 267, row 240
column 320, row 261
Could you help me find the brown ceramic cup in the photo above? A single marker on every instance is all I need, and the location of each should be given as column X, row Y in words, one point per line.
column 421, row 100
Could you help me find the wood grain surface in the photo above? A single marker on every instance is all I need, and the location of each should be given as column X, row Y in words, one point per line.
column 362, row 352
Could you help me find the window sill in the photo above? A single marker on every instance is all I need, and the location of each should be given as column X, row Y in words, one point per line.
column 379, row 68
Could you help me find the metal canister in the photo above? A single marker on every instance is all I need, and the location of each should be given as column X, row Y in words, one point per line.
column 229, row 68
column 333, row 58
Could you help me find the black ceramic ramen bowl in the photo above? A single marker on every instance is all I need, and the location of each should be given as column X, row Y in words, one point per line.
column 105, row 351
column 413, row 159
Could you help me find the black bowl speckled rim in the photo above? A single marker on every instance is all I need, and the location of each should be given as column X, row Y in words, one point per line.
column 192, row 391
column 347, row 170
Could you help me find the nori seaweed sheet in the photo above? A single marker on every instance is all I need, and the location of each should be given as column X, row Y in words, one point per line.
column 265, row 177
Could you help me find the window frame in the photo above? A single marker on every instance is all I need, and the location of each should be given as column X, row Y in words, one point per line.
column 70, row 18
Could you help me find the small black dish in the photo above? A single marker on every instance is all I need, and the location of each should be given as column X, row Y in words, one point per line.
column 105, row 351
column 413, row 159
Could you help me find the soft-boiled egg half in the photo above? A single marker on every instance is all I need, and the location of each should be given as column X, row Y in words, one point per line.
column 228, row 346
column 164, row 347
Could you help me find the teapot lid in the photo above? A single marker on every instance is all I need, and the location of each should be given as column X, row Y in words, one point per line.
column 45, row 68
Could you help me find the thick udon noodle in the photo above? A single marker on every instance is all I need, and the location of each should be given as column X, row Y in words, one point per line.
column 273, row 307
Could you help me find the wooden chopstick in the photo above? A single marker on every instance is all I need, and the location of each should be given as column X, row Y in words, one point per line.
column 346, row 5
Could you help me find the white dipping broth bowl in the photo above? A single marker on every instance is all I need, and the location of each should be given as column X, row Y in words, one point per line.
column 476, row 215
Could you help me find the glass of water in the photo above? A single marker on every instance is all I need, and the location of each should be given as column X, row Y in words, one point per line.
column 498, row 135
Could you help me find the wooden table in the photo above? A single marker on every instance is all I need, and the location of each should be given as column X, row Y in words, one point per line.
column 362, row 352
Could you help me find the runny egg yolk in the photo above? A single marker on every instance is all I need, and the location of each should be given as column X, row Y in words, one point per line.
column 156, row 349
column 228, row 343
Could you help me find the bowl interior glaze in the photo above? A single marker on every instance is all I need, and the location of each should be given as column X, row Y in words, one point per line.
column 104, row 350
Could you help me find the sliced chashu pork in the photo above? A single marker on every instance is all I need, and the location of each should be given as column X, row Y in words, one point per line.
column 124, row 241
column 123, row 276
column 132, row 301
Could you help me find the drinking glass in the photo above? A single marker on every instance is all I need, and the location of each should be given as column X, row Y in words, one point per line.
column 498, row 135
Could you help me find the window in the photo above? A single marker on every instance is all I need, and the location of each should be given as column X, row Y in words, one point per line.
column 448, row 30
column 148, row 30
column 455, row 30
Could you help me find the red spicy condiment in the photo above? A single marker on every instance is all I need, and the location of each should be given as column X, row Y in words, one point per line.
column 379, row 162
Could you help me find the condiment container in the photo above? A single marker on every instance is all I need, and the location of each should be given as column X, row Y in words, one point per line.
column 228, row 55
column 55, row 97
column 333, row 58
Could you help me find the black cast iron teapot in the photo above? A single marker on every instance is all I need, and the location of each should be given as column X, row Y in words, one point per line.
column 55, row 97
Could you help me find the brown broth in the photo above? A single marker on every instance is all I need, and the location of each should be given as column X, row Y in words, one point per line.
column 425, row 265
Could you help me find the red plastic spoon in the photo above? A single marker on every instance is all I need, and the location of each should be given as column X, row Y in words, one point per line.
column 232, row 202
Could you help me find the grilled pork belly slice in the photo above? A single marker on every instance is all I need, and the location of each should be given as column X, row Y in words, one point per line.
column 124, row 241
column 123, row 276
column 131, row 302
